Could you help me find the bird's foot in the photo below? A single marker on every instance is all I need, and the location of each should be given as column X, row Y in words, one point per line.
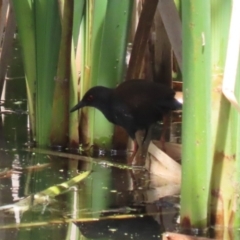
column 138, row 158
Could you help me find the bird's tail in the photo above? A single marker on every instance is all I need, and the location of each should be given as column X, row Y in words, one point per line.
column 169, row 105
column 177, row 105
column 178, row 101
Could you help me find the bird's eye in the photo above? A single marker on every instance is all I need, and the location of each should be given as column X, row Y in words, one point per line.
column 90, row 98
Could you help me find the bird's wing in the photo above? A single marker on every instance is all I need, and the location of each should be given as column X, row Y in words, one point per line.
column 141, row 105
column 144, row 96
column 124, row 117
column 121, row 111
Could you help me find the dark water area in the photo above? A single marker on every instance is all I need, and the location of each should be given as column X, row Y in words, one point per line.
column 111, row 202
column 48, row 194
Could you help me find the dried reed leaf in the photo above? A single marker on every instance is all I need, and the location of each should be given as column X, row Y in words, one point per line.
column 160, row 164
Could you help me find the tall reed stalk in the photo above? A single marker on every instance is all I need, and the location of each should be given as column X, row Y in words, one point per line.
column 60, row 111
column 109, row 69
column 26, row 26
column 196, row 163
column 47, row 27
column 225, row 121
column 76, row 65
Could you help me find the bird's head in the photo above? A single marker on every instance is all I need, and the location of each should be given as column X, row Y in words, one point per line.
column 97, row 97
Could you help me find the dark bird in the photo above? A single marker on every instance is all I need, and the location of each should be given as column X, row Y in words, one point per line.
column 134, row 104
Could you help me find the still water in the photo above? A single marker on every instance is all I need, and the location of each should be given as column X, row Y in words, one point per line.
column 47, row 194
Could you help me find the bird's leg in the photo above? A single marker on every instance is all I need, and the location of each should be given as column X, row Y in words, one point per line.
column 134, row 159
column 139, row 157
column 134, row 148
column 143, row 143
column 146, row 140
column 166, row 123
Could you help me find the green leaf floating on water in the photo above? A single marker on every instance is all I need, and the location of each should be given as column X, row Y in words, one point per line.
column 62, row 187
column 44, row 197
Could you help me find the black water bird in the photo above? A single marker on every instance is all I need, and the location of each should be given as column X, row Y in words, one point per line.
column 134, row 104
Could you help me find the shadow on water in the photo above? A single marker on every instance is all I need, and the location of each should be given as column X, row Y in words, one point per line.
column 41, row 198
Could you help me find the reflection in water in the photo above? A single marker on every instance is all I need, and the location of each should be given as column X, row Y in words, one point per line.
column 108, row 185
column 141, row 228
column 5, row 185
column 16, row 165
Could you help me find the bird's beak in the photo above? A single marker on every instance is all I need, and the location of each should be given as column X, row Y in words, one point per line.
column 78, row 106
